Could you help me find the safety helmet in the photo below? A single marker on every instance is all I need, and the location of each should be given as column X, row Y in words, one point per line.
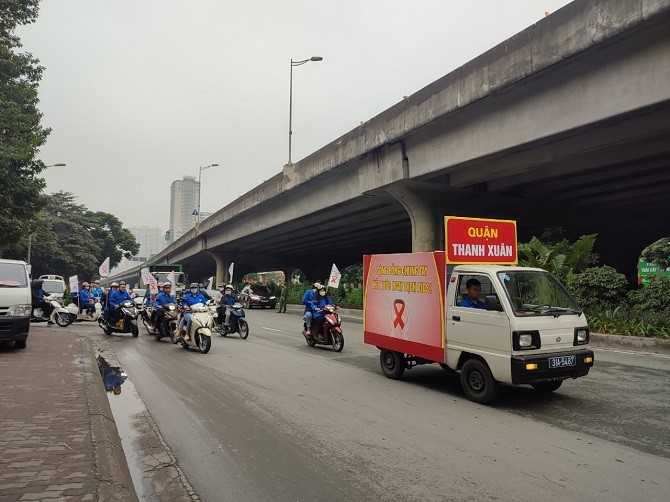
column 95, row 282
column 161, row 284
column 122, row 283
column 316, row 285
column 201, row 285
column 229, row 286
column 321, row 286
column 114, row 285
column 84, row 284
column 167, row 284
column 193, row 285
column 222, row 285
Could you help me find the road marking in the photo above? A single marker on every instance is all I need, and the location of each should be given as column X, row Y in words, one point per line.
column 270, row 329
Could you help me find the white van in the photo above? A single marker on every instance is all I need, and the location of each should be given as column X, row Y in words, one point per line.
column 53, row 285
column 15, row 302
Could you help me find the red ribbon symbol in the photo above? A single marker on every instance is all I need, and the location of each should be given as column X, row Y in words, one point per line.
column 398, row 310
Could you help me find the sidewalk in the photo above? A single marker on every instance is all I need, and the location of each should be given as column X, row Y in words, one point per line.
column 58, row 440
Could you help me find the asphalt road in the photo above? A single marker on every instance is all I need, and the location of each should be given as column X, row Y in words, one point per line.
column 269, row 418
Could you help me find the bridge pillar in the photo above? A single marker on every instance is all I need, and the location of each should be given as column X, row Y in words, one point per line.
column 421, row 214
column 288, row 274
column 221, row 268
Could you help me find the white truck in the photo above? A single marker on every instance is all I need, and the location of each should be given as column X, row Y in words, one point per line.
column 527, row 329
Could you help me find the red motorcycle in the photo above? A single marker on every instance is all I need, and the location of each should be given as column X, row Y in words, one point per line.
column 330, row 333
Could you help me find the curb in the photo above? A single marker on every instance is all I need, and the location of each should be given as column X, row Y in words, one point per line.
column 112, row 473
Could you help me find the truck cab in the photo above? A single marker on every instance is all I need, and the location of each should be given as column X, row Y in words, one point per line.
column 529, row 331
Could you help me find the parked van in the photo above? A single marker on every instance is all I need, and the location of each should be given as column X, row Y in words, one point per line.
column 53, row 285
column 15, row 302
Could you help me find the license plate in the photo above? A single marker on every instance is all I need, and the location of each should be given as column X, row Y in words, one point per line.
column 562, row 362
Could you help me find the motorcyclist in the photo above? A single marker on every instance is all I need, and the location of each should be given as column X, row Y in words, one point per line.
column 38, row 300
column 307, row 300
column 105, row 298
column 228, row 300
column 86, row 301
column 218, row 301
column 193, row 297
column 322, row 299
column 96, row 290
column 162, row 300
column 116, row 298
column 202, row 289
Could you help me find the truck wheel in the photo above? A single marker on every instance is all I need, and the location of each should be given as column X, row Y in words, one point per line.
column 547, row 386
column 477, row 381
column 392, row 363
column 20, row 344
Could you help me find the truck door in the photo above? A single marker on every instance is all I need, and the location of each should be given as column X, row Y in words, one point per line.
column 477, row 330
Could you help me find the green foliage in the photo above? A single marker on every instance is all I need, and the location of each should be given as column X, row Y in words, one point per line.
column 598, row 288
column 21, row 134
column 658, row 253
column 654, row 297
column 70, row 240
column 560, row 258
column 618, row 321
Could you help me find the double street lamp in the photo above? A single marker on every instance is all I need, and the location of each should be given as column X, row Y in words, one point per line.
column 290, row 101
column 202, row 168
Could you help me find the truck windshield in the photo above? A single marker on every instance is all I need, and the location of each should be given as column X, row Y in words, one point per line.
column 13, row 275
column 537, row 293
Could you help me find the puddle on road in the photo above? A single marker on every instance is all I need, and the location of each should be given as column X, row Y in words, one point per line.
column 125, row 403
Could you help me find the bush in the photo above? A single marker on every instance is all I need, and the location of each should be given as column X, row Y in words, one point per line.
column 654, row 297
column 598, row 288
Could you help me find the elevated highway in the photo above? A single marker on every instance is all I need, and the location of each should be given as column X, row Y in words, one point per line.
column 565, row 124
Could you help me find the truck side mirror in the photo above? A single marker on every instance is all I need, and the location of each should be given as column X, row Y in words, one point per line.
column 492, row 303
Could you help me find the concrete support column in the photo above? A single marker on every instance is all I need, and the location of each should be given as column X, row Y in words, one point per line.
column 221, row 268
column 422, row 216
column 288, row 274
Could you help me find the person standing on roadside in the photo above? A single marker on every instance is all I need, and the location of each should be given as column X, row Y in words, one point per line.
column 283, row 296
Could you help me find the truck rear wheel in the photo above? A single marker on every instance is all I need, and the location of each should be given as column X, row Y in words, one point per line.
column 392, row 363
column 477, row 381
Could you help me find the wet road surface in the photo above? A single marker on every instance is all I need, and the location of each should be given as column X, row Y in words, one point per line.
column 269, row 418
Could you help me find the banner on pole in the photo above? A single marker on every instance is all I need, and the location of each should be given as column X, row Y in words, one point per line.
column 335, row 276
column 230, row 272
column 172, row 279
column 74, row 284
column 103, row 269
column 153, row 285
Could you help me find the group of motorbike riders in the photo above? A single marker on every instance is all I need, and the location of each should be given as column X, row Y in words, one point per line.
column 314, row 300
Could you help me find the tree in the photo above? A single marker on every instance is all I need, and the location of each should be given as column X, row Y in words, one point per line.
column 21, row 134
column 68, row 239
column 658, row 253
column 560, row 258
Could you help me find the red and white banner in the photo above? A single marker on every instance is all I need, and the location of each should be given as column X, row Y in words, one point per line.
column 335, row 276
column 103, row 269
column 74, row 284
column 480, row 240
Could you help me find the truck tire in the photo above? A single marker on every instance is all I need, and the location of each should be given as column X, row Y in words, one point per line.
column 546, row 386
column 20, row 344
column 392, row 363
column 477, row 381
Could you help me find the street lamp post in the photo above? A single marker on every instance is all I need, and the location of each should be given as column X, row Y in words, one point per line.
column 202, row 168
column 290, row 99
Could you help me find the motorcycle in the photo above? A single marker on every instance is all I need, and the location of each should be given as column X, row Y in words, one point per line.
column 168, row 325
column 59, row 314
column 127, row 322
column 76, row 316
column 331, row 334
column 200, row 336
column 237, row 324
column 144, row 313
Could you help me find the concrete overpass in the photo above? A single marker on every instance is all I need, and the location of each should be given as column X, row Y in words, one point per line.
column 565, row 124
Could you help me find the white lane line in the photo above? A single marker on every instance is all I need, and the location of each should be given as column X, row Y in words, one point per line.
column 270, row 329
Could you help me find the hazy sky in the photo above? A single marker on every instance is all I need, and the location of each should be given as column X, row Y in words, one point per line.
column 139, row 93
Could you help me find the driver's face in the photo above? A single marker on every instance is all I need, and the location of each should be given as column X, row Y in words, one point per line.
column 122, row 287
column 474, row 292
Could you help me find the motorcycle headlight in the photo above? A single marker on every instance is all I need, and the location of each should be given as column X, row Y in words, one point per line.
column 19, row 310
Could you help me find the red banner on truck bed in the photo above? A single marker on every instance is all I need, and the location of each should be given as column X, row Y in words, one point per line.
column 404, row 303
column 479, row 240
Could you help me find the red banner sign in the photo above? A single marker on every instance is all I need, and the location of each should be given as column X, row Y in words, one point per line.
column 479, row 240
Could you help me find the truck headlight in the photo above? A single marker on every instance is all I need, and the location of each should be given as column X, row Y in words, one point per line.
column 525, row 340
column 581, row 336
column 19, row 310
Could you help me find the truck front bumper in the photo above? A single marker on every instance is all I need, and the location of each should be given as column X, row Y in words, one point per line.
column 14, row 328
column 522, row 374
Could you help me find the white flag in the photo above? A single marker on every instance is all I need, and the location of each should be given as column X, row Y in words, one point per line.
column 335, row 276
column 210, row 285
column 153, row 285
column 74, row 284
column 172, row 279
column 230, row 272
column 146, row 276
column 103, row 270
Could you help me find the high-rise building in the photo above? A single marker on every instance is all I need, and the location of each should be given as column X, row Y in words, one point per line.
column 183, row 202
column 150, row 239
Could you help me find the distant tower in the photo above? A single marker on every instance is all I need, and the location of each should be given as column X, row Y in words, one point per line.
column 183, row 201
column 150, row 239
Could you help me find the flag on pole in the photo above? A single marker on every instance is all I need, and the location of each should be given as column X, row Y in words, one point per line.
column 172, row 279
column 335, row 276
column 74, row 284
column 153, row 285
column 103, row 269
column 146, row 276
column 230, row 272
column 210, row 285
